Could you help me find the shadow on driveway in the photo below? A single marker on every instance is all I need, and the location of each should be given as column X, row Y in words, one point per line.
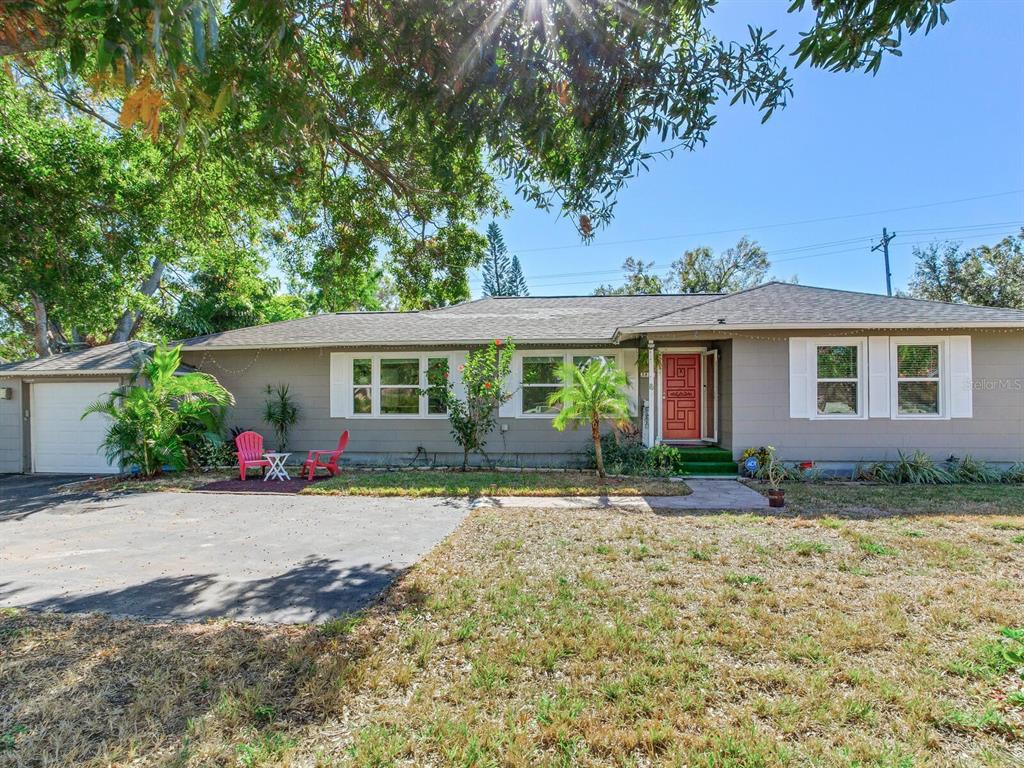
column 313, row 591
column 24, row 495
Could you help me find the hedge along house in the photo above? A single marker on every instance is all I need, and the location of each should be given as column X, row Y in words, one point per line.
column 823, row 375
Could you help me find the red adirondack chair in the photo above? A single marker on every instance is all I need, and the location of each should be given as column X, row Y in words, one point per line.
column 326, row 459
column 250, row 452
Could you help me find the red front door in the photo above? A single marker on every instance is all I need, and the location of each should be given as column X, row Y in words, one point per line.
column 681, row 414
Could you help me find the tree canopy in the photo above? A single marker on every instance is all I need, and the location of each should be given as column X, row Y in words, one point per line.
column 699, row 270
column 990, row 276
column 354, row 145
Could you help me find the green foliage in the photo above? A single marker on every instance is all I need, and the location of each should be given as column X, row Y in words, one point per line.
column 590, row 394
column 473, row 417
column 856, row 35
column 281, row 412
column 518, row 280
column 639, row 280
column 623, row 452
column 991, row 276
column 155, row 418
column 772, row 471
column 918, row 468
column 972, row 470
column 74, row 210
column 1014, row 474
column 735, row 269
column 921, row 469
column 497, row 281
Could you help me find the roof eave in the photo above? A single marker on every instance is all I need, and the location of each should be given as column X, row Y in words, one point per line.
column 644, row 330
column 444, row 343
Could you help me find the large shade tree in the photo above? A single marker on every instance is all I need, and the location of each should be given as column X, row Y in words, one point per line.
column 986, row 275
column 378, row 128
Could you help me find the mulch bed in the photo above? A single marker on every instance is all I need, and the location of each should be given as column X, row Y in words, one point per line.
column 257, row 485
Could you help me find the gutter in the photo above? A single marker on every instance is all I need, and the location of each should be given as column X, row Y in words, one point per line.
column 443, row 344
column 645, row 330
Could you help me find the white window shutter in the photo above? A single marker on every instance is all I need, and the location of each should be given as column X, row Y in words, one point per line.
column 509, row 408
column 799, row 378
column 961, row 380
column 879, row 377
column 339, row 385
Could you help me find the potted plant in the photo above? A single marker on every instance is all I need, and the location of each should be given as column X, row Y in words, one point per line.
column 774, row 473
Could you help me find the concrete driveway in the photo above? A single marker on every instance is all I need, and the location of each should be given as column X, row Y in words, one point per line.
column 193, row 556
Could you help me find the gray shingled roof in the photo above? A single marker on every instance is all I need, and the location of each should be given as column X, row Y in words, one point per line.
column 118, row 359
column 559, row 320
column 784, row 305
column 555, row 320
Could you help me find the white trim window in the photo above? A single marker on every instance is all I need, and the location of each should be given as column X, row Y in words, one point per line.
column 534, row 379
column 387, row 385
column 839, row 391
column 540, row 381
column 920, row 378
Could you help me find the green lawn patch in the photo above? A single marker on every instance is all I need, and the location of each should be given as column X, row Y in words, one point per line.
column 862, row 499
column 474, row 483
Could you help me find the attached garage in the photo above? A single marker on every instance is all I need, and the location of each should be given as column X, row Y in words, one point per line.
column 62, row 441
column 41, row 407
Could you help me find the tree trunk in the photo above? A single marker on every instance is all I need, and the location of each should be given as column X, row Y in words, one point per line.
column 42, row 326
column 595, row 432
column 130, row 319
column 465, row 459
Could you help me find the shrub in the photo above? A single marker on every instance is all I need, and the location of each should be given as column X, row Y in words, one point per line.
column 1014, row 474
column 916, row 469
column 664, row 459
column 154, row 425
column 972, row 470
column 484, row 376
column 623, row 451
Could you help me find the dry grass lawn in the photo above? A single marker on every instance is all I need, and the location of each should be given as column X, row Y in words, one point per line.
column 420, row 483
column 478, row 482
column 588, row 638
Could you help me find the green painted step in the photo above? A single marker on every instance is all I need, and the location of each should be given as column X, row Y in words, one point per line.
column 717, row 455
column 708, row 468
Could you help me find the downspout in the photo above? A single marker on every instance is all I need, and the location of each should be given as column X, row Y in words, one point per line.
column 650, row 393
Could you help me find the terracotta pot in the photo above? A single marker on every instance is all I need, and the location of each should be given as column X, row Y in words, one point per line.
column 776, row 497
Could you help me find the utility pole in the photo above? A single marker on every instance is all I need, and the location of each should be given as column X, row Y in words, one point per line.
column 883, row 246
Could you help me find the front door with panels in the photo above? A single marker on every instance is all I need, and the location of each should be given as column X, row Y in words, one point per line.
column 681, row 397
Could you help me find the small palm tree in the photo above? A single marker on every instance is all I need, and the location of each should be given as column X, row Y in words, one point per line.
column 591, row 394
column 159, row 413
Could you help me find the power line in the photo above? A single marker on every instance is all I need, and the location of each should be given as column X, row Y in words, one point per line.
column 773, row 226
column 970, row 229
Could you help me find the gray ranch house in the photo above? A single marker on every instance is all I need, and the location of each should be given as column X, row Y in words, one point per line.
column 824, row 375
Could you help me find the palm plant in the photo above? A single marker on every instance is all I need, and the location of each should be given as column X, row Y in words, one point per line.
column 159, row 413
column 590, row 394
column 280, row 412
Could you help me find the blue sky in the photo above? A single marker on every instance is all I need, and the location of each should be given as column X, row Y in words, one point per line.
column 943, row 123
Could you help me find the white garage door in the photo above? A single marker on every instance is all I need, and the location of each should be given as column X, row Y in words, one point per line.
column 62, row 441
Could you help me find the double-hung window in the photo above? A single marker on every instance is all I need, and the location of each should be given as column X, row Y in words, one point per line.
column 540, row 381
column 838, row 390
column 400, row 386
column 387, row 384
column 535, row 378
column 918, row 379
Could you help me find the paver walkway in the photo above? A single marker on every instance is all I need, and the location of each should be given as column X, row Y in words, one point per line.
column 708, row 494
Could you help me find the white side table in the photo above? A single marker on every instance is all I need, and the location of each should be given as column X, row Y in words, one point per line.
column 276, row 470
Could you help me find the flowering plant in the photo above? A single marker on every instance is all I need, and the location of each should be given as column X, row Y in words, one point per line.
column 474, row 415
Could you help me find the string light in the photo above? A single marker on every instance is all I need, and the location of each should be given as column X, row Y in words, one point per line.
column 207, row 360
